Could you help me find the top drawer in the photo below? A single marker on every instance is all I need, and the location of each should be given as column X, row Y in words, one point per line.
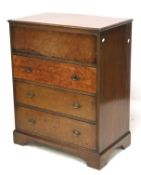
column 61, row 45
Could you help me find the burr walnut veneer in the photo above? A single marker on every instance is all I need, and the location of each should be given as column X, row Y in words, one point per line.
column 71, row 80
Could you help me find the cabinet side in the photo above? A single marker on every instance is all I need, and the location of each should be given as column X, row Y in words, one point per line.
column 11, row 45
column 114, row 85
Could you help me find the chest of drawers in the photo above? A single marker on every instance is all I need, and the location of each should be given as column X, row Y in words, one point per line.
column 71, row 81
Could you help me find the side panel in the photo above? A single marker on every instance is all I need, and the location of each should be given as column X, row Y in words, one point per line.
column 114, row 85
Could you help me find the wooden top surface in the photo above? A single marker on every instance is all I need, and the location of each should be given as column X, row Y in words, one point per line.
column 73, row 20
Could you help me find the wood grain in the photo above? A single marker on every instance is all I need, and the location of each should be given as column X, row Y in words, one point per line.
column 61, row 45
column 78, row 105
column 61, row 58
column 55, row 73
column 113, row 119
column 56, row 127
column 92, row 158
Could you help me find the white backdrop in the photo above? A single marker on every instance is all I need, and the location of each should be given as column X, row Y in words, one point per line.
column 15, row 159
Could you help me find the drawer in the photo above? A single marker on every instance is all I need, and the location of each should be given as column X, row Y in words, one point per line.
column 55, row 73
column 79, row 105
column 46, row 125
column 67, row 46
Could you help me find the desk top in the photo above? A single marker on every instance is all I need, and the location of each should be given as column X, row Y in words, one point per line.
column 73, row 20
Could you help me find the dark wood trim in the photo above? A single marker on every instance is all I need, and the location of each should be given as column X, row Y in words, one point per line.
column 92, row 158
column 12, row 72
column 128, row 55
column 98, row 91
column 54, row 27
column 117, row 141
column 56, row 59
column 104, row 156
column 66, row 28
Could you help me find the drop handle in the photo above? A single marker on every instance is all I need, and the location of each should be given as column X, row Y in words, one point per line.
column 28, row 69
column 75, row 77
column 76, row 132
column 32, row 121
column 76, row 105
column 30, row 94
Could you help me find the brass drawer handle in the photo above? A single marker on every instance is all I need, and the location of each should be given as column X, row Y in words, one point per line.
column 32, row 121
column 76, row 105
column 28, row 69
column 76, row 132
column 30, row 94
column 75, row 77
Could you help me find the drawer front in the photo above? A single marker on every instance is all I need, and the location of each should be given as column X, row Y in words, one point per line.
column 55, row 73
column 67, row 46
column 79, row 105
column 63, row 129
